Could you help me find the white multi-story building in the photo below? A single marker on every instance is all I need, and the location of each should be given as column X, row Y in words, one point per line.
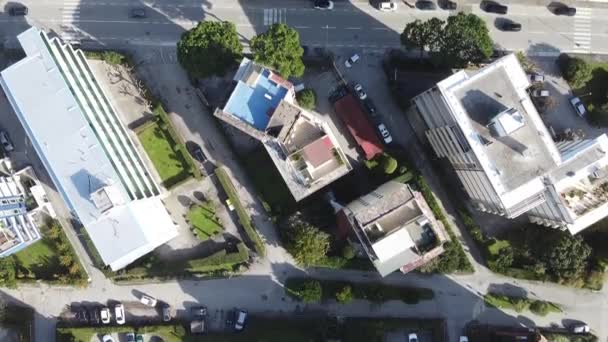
column 485, row 124
column 86, row 149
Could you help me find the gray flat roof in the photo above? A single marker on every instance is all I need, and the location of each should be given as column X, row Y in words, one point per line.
column 522, row 155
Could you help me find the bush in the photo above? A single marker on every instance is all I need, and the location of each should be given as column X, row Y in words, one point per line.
column 389, row 165
column 307, row 99
column 348, row 252
column 345, row 295
column 575, row 70
column 308, row 291
column 220, row 261
column 503, row 260
column 112, row 57
column 540, row 308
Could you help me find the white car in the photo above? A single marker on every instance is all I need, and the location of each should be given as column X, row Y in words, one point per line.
column 540, row 93
column 387, row 6
column 6, row 142
column 360, row 92
column 119, row 312
column 580, row 328
column 386, row 135
column 241, row 318
column 229, row 204
column 579, row 107
column 105, row 314
column 147, row 300
column 412, row 338
column 536, row 77
column 463, row 339
column 352, row 60
column 107, row 338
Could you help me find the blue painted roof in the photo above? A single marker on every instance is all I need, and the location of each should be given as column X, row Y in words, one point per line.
column 256, row 104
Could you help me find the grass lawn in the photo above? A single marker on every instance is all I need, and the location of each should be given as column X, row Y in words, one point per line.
column 39, row 258
column 168, row 161
column 169, row 333
column 496, row 245
column 203, row 220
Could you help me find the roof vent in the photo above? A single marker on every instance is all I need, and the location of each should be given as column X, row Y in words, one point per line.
column 506, row 122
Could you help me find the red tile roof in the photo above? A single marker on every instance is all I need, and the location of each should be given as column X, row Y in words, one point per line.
column 350, row 112
column 319, row 151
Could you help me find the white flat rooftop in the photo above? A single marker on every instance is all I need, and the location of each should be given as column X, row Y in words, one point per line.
column 74, row 158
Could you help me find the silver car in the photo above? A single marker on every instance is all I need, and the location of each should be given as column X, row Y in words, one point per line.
column 6, row 142
column 578, row 106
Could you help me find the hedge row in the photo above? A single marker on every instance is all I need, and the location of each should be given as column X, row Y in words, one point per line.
column 170, row 333
column 453, row 259
column 180, row 146
column 219, row 263
column 315, row 290
column 244, row 218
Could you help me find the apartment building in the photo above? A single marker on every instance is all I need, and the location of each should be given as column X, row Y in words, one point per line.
column 485, row 124
column 394, row 226
column 300, row 143
column 86, row 149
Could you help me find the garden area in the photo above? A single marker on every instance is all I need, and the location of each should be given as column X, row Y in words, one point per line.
column 229, row 260
column 539, row 253
column 167, row 333
column 305, row 329
column 589, row 81
column 51, row 259
column 205, row 224
column 538, row 307
column 311, row 290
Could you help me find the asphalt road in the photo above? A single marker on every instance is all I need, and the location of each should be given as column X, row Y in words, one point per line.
column 350, row 24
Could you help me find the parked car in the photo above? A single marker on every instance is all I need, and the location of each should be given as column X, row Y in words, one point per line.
column 463, row 339
column 229, row 204
column 241, row 318
column 6, row 142
column 360, row 92
column 119, row 313
column 412, row 337
column 106, row 317
column 137, row 13
column 352, row 60
column 94, row 316
column 562, row 9
column 578, row 106
column 448, row 5
column 369, row 105
column 147, row 300
column 510, row 26
column 230, row 318
column 82, row 316
column 387, row 6
column 198, row 311
column 540, row 93
column 536, row 77
column 324, row 4
column 580, row 328
column 425, row 5
column 386, row 135
column 139, row 338
column 166, row 313
column 130, row 337
column 18, row 10
column 107, row 338
column 196, row 152
column 494, row 7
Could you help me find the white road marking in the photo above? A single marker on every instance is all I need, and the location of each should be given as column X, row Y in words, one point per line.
column 275, row 15
column 582, row 30
column 353, row 28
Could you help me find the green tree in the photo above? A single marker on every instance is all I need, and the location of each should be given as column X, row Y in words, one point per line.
column 210, row 48
column 305, row 242
column 311, row 291
column 423, row 35
column 389, row 164
column 464, row 39
column 566, row 256
column 8, row 272
column 540, row 307
column 3, row 310
column 575, row 70
column 345, row 295
column 503, row 260
column 348, row 252
column 307, row 98
column 112, row 57
column 279, row 48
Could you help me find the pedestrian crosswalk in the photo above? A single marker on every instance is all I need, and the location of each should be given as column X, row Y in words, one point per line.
column 275, row 15
column 70, row 13
column 582, row 30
